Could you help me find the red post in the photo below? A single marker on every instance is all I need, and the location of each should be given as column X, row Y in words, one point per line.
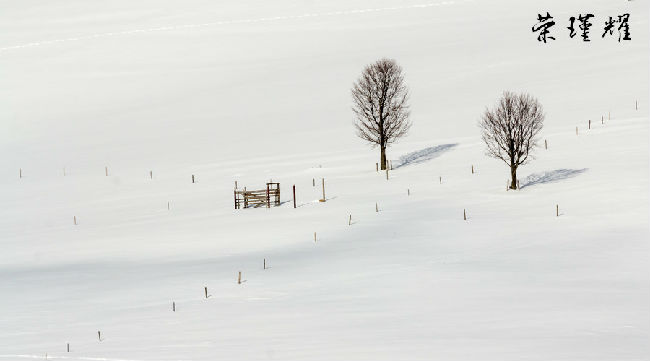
column 294, row 196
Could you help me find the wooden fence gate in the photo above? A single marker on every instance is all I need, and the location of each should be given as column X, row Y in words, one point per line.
column 245, row 198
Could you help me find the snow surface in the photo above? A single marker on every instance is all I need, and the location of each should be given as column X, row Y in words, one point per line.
column 249, row 91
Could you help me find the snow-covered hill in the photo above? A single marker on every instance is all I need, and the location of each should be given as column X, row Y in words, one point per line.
column 252, row 91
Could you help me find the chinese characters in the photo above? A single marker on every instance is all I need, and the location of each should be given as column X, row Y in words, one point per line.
column 584, row 23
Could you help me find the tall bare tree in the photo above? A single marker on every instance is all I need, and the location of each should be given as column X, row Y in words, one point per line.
column 510, row 130
column 380, row 103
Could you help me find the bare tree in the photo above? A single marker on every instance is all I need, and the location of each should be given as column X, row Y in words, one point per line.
column 380, row 99
column 510, row 130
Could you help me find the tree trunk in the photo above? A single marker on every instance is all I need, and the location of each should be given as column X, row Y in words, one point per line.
column 383, row 157
column 513, row 175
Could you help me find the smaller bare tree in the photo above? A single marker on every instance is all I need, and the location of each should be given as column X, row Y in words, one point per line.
column 380, row 103
column 510, row 130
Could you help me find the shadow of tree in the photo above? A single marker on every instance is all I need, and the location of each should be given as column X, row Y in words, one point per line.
column 551, row 176
column 423, row 155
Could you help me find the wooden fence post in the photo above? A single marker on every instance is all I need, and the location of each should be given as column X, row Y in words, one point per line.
column 294, row 196
column 206, row 292
column 264, row 263
column 557, row 210
column 239, row 278
column 268, row 197
column 68, row 346
column 376, row 167
column 464, row 215
column 174, row 306
column 314, row 236
column 376, row 207
column 589, row 123
column 106, row 171
column 99, row 335
column 150, row 174
column 408, row 191
column 74, row 219
column 576, row 130
column 472, row 168
column 313, row 182
column 545, row 144
column 192, row 178
column 440, row 179
column 350, row 221
column 245, row 199
column 324, row 199
column 20, row 173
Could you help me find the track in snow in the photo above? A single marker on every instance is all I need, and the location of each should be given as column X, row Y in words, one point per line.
column 224, row 22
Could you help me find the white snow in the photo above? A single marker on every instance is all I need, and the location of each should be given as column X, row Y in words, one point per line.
column 250, row 91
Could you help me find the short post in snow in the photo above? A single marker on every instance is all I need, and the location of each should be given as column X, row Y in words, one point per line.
column 324, row 199
column 376, row 167
column 239, row 278
column 464, row 215
column 350, row 220
column 472, row 168
column 106, row 171
column 173, row 306
column 557, row 210
column 294, row 196
column 545, row 144
column 192, row 178
column 376, row 207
